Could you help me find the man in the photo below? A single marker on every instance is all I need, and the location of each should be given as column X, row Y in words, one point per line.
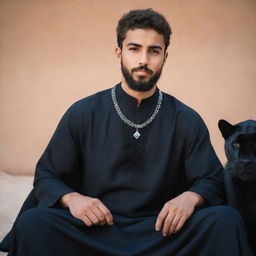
column 130, row 170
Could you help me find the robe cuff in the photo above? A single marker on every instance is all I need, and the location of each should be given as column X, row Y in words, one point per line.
column 211, row 196
column 53, row 197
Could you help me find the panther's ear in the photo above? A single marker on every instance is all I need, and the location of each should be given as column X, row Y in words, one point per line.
column 226, row 128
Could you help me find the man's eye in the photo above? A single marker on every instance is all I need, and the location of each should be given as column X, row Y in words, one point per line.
column 236, row 145
column 133, row 49
column 154, row 51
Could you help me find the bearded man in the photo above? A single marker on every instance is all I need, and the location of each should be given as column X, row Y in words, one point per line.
column 130, row 170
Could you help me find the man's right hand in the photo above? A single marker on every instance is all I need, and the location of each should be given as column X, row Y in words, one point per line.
column 90, row 210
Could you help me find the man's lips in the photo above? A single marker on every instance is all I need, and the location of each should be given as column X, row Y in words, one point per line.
column 141, row 72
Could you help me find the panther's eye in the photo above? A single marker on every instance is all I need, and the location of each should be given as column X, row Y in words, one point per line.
column 236, row 145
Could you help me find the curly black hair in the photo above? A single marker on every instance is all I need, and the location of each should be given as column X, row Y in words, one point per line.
column 147, row 18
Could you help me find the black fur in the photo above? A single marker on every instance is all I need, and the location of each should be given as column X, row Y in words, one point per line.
column 240, row 171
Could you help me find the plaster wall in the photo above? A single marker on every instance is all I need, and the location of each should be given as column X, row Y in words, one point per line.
column 55, row 52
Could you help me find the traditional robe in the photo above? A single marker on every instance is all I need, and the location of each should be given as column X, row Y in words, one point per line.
column 93, row 152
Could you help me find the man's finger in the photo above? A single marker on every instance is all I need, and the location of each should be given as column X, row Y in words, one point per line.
column 160, row 219
column 168, row 222
column 102, row 223
column 86, row 221
column 94, row 219
column 180, row 224
column 99, row 214
column 107, row 213
column 174, row 223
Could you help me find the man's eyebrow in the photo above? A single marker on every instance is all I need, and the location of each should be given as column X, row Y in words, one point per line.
column 133, row 44
column 151, row 46
column 155, row 47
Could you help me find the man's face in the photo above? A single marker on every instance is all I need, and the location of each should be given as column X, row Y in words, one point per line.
column 142, row 58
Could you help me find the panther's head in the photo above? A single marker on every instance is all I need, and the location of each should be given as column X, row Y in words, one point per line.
column 240, row 148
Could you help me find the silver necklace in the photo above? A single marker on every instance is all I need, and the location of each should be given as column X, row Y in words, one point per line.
column 136, row 135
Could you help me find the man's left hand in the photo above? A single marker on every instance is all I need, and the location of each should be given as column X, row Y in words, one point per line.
column 175, row 212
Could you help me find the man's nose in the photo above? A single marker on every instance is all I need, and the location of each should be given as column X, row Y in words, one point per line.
column 144, row 59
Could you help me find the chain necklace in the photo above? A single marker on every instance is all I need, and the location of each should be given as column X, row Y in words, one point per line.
column 136, row 135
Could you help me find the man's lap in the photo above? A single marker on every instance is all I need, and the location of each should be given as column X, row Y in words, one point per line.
column 131, row 236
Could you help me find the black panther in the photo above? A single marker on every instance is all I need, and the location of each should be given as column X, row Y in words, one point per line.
column 240, row 171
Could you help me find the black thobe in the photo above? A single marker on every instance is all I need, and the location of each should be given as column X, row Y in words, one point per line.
column 93, row 152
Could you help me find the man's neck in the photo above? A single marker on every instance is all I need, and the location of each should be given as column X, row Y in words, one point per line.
column 139, row 96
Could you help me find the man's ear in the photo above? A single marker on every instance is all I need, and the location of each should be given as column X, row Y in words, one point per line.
column 118, row 52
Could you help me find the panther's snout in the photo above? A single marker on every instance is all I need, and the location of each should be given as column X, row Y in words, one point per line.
column 244, row 170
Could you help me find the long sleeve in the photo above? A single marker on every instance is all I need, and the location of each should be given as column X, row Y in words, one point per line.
column 203, row 169
column 59, row 165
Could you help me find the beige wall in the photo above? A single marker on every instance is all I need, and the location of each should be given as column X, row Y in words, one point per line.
column 54, row 52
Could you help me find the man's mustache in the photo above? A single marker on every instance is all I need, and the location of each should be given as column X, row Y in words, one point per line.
column 145, row 68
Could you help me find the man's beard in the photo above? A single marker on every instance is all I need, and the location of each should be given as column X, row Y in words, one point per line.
column 140, row 85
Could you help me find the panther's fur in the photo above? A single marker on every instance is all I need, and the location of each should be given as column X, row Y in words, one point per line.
column 240, row 171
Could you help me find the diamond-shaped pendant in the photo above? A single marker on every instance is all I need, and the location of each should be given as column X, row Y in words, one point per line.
column 136, row 135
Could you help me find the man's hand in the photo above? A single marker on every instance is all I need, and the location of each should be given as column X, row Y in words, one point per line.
column 176, row 211
column 90, row 210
